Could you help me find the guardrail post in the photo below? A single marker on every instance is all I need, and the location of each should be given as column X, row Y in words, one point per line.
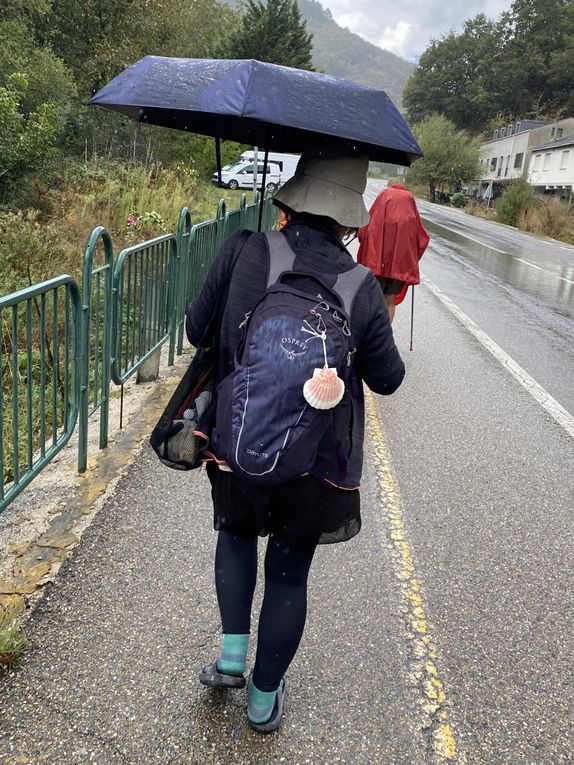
column 84, row 344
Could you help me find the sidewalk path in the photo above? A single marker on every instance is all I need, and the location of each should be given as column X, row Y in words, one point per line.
column 119, row 638
column 441, row 635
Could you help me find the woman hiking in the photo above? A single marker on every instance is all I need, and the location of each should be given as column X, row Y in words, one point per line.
column 323, row 205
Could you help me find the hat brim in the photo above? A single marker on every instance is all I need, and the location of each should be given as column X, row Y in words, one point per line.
column 303, row 193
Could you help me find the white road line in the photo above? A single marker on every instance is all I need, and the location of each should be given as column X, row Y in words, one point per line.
column 526, row 263
column 466, row 236
column 546, row 401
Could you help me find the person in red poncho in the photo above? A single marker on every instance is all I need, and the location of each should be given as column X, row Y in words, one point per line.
column 393, row 242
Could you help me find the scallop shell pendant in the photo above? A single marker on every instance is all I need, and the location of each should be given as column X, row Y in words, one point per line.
column 325, row 389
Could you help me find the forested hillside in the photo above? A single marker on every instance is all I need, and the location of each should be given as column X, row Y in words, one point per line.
column 342, row 53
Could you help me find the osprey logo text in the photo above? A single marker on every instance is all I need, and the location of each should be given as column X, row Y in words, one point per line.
column 289, row 344
column 257, row 454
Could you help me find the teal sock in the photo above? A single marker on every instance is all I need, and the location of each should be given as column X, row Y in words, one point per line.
column 260, row 704
column 233, row 654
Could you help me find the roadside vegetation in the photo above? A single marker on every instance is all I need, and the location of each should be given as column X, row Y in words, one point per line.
column 13, row 641
column 66, row 167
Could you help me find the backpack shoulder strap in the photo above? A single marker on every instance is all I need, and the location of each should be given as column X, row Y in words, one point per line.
column 281, row 256
column 348, row 284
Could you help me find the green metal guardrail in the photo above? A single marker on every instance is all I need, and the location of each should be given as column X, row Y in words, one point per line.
column 60, row 349
column 39, row 375
column 145, row 288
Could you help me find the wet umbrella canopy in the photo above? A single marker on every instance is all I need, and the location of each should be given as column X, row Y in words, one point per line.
column 251, row 102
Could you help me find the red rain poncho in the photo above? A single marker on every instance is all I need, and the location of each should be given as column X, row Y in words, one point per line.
column 393, row 242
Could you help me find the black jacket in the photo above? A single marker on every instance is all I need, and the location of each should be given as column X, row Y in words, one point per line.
column 377, row 360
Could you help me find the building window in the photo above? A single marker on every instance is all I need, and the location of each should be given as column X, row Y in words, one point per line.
column 564, row 160
column 518, row 160
column 536, row 165
column 546, row 164
column 559, row 132
column 493, row 164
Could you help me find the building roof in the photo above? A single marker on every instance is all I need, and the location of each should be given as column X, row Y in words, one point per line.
column 566, row 141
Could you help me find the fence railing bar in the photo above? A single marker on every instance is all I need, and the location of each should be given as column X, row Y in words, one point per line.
column 97, row 302
column 55, row 367
column 29, row 384
column 15, row 402
column 42, row 386
column 1, row 406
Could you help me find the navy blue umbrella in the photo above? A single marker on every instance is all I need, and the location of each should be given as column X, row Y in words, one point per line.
column 251, row 102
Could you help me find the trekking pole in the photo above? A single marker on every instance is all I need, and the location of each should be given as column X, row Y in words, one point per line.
column 412, row 313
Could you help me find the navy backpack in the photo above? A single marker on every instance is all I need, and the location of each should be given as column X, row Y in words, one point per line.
column 266, row 430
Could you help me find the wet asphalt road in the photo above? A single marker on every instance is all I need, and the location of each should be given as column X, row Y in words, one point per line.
column 518, row 288
column 466, row 547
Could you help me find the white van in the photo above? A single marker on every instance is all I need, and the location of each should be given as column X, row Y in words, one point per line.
column 287, row 162
column 240, row 175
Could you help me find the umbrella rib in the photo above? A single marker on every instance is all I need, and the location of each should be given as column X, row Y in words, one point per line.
column 251, row 68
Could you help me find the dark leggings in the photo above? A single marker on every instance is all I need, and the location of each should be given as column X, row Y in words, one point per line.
column 284, row 609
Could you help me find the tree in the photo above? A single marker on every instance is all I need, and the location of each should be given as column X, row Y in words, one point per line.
column 455, row 76
column 517, row 67
column 450, row 155
column 97, row 39
column 25, row 141
column 535, row 33
column 48, row 79
column 273, row 32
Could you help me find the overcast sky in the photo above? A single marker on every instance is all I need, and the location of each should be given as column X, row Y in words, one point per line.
column 406, row 27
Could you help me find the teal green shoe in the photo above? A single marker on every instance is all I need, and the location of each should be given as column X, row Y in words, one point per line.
column 276, row 711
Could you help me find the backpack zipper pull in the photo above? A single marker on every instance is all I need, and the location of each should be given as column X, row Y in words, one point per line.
column 245, row 320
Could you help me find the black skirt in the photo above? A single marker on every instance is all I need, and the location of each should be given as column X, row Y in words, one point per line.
column 301, row 510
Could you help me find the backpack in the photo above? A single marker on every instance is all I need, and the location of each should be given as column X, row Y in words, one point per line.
column 268, row 425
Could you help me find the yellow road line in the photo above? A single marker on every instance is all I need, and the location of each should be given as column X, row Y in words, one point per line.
column 423, row 671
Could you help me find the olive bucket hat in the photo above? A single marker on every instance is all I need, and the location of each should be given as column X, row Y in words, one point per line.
column 328, row 185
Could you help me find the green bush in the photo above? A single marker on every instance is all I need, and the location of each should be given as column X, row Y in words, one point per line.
column 516, row 200
column 458, row 200
column 13, row 641
column 28, row 251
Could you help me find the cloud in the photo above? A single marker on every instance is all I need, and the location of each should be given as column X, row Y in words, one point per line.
column 406, row 28
column 396, row 39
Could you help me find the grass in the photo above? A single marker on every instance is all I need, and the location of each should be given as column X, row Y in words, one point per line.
column 13, row 641
column 132, row 202
column 549, row 218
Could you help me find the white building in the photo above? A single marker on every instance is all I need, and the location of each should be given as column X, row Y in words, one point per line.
column 509, row 155
column 552, row 167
